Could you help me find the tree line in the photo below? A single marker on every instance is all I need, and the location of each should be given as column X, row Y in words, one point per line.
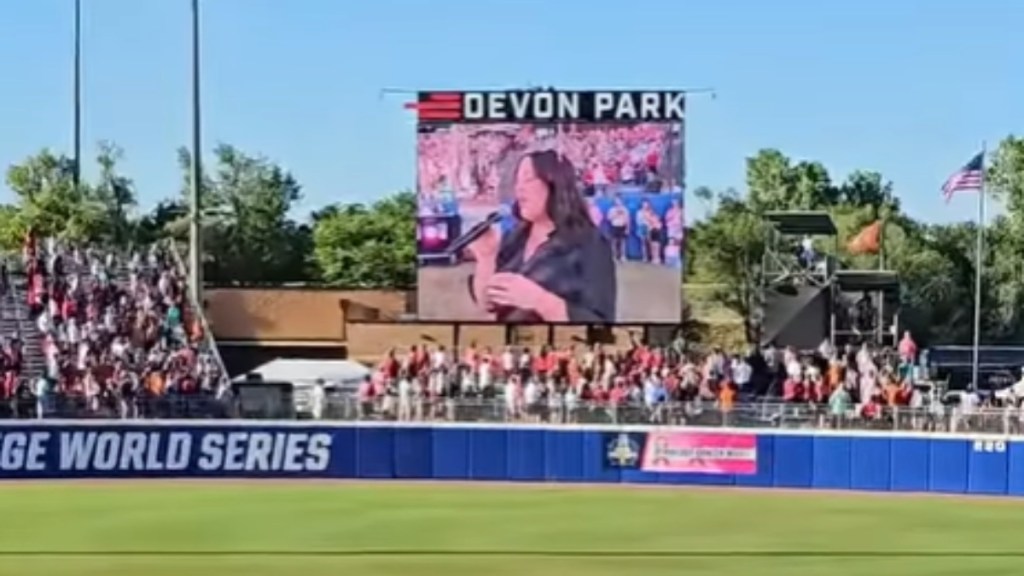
column 250, row 232
column 252, row 236
column 935, row 262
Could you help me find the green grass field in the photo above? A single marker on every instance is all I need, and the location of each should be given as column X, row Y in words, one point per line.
column 199, row 529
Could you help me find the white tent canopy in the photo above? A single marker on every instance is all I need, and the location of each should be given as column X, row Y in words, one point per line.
column 344, row 373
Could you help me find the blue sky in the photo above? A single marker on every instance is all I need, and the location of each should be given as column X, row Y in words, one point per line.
column 906, row 87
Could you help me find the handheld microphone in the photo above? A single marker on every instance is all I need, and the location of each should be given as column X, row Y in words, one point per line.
column 471, row 235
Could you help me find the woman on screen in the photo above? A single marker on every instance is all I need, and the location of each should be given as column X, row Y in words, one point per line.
column 653, row 235
column 554, row 266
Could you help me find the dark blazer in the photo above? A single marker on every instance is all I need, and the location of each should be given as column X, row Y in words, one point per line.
column 580, row 269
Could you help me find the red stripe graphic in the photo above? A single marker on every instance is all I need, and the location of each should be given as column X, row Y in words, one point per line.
column 449, row 96
column 440, row 105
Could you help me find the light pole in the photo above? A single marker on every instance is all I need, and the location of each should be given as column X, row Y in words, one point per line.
column 77, row 97
column 195, row 256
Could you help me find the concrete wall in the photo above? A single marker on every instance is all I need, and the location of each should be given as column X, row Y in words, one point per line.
column 359, row 324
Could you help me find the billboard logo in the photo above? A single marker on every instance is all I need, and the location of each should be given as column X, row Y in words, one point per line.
column 539, row 106
column 623, row 451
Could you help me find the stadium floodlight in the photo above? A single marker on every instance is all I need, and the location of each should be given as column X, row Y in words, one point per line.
column 195, row 257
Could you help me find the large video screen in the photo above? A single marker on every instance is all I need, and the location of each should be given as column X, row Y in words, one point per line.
column 543, row 222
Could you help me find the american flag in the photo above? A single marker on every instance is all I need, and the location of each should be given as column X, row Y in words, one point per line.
column 970, row 177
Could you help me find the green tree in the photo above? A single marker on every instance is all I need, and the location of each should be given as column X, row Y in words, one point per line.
column 1004, row 239
column 368, row 246
column 774, row 183
column 48, row 201
column 249, row 235
column 726, row 249
column 115, row 194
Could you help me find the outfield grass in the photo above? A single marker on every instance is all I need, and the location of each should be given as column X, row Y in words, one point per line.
column 392, row 529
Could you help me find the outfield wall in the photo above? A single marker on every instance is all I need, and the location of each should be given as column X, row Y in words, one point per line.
column 945, row 463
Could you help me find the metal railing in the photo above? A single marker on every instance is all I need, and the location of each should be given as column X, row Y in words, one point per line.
column 777, row 415
column 766, row 414
column 199, row 312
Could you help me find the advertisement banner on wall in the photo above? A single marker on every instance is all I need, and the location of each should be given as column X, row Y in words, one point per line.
column 685, row 452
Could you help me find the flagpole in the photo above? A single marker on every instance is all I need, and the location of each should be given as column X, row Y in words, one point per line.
column 978, row 267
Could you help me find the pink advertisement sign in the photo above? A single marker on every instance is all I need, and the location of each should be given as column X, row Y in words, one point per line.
column 702, row 453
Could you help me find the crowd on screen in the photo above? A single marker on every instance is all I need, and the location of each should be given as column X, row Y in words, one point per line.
column 651, row 383
column 466, row 161
column 117, row 336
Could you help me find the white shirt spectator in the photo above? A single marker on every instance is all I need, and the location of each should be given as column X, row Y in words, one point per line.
column 825, row 349
column 44, row 322
column 571, row 399
column 119, row 348
column 438, row 359
column 507, row 361
column 916, row 399
column 317, row 397
column 484, row 373
column 868, row 386
column 650, row 391
column 969, row 401
column 813, row 372
column 110, row 320
column 864, row 359
column 83, row 355
column 74, row 332
column 531, row 393
column 794, row 369
column 741, row 372
column 437, row 383
column 513, row 395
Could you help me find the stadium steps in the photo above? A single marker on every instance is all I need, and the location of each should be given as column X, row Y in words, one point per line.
column 17, row 319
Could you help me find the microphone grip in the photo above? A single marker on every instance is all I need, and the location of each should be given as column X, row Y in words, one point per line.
column 471, row 235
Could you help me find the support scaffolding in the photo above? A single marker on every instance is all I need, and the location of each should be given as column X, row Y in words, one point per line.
column 797, row 277
column 866, row 307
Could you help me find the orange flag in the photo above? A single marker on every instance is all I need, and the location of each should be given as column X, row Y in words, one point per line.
column 867, row 241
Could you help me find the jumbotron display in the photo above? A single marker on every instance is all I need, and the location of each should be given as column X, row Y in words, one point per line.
column 550, row 207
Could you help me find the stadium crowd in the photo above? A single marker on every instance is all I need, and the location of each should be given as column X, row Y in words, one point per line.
column 466, row 161
column 644, row 383
column 116, row 335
